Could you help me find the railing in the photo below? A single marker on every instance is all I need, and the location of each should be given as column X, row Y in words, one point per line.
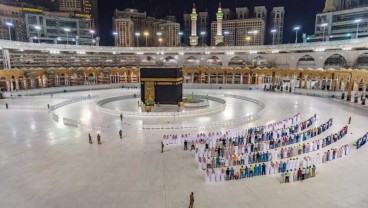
column 24, row 107
column 221, row 124
column 286, row 47
column 161, row 114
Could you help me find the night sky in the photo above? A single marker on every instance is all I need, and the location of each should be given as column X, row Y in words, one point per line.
column 297, row 12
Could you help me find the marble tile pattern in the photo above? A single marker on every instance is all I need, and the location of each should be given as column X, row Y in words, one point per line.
column 47, row 164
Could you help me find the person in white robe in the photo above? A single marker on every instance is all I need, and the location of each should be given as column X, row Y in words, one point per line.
column 218, row 174
column 207, row 176
column 199, row 166
column 213, row 176
column 222, row 174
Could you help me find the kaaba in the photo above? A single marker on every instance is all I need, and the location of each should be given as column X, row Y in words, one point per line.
column 161, row 85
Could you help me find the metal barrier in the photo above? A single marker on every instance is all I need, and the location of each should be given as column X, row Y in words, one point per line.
column 222, row 124
column 70, row 122
column 55, row 117
column 161, row 114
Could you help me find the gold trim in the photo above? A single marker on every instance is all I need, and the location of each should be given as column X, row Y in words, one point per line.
column 162, row 79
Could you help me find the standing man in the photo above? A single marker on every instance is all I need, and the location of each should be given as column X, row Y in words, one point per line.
column 121, row 134
column 121, row 117
column 98, row 139
column 48, row 106
column 185, row 145
column 191, row 200
column 349, row 119
column 6, row 105
column 90, row 138
column 162, row 147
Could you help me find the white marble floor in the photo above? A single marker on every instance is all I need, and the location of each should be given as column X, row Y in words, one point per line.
column 46, row 164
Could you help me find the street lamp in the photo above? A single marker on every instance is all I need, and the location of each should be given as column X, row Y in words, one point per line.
column 92, row 34
column 146, row 36
column 159, row 34
column 160, row 41
column 180, row 34
column 137, row 35
column 348, row 35
column 115, row 37
column 357, row 31
column 203, row 33
column 273, row 31
column 38, row 28
column 297, row 28
column 248, row 38
column 67, row 30
column 9, row 24
column 324, row 25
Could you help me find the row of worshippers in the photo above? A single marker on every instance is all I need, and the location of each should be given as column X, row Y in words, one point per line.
column 298, row 175
column 259, row 157
column 250, row 145
column 175, row 139
column 240, row 155
column 289, row 166
column 361, row 141
column 314, row 146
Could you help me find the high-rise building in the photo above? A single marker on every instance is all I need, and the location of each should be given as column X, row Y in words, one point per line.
column 339, row 25
column 277, row 25
column 187, row 28
column 260, row 12
column 137, row 19
column 124, row 29
column 70, row 5
column 85, row 9
column 169, row 34
column 58, row 27
column 240, row 32
column 12, row 14
column 203, row 26
column 90, row 7
column 242, row 13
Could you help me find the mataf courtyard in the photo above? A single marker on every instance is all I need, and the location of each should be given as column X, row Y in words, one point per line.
column 47, row 161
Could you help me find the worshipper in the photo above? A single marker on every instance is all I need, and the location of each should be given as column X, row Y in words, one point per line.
column 295, row 176
column 90, row 138
column 222, row 174
column 218, row 174
column 121, row 134
column 213, row 175
column 121, row 117
column 287, row 176
column 48, row 106
column 227, row 174
column 6, row 105
column 207, row 176
column 191, row 200
column 232, row 173
column 98, row 139
column 162, row 147
column 185, row 145
column 314, row 171
column 349, row 120
column 299, row 174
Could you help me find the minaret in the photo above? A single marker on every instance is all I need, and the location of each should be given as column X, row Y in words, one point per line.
column 193, row 37
column 219, row 38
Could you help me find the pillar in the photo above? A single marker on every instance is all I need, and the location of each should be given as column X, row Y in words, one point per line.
column 350, row 87
column 17, row 84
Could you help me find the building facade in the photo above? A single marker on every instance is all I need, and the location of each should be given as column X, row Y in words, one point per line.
column 70, row 5
column 12, row 14
column 170, row 34
column 60, row 29
column 277, row 25
column 125, row 30
column 340, row 25
column 240, row 32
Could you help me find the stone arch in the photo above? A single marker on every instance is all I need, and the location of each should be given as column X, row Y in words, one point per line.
column 236, row 62
column 259, row 61
column 191, row 61
column 214, row 61
column 149, row 61
column 335, row 61
column 362, row 61
column 169, row 61
column 306, row 62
